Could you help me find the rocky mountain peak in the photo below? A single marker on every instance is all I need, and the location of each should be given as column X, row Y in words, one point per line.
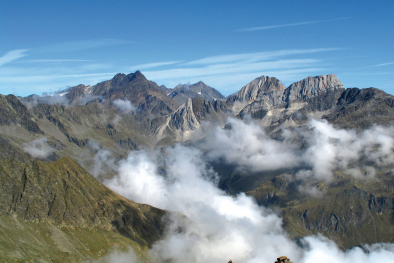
column 257, row 88
column 121, row 79
column 182, row 92
column 136, row 75
column 117, row 78
column 74, row 94
column 313, row 86
column 146, row 95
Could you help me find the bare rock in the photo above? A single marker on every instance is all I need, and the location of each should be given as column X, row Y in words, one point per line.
column 283, row 259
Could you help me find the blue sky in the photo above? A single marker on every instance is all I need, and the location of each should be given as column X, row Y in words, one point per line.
column 50, row 45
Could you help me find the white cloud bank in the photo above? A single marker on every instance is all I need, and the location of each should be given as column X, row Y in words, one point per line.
column 221, row 227
column 38, row 148
column 103, row 161
column 124, row 106
column 12, row 55
column 325, row 148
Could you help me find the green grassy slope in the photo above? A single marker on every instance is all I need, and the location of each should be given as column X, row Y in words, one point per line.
column 54, row 212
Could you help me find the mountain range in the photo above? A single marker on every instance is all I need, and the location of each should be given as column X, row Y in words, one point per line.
column 61, row 134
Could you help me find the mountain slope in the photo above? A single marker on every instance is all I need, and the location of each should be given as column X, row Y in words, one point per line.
column 362, row 109
column 62, row 195
column 190, row 117
column 73, row 131
column 75, row 94
column 142, row 93
column 350, row 212
column 182, row 93
column 13, row 112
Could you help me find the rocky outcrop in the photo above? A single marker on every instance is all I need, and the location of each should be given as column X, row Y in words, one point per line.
column 362, row 108
column 293, row 106
column 14, row 112
column 184, row 118
column 283, row 259
column 277, row 107
column 182, row 93
column 75, row 94
column 303, row 92
column 322, row 97
column 257, row 88
column 312, row 87
column 191, row 115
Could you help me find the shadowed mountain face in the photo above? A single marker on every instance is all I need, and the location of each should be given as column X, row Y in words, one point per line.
column 142, row 93
column 13, row 112
column 182, row 93
column 362, row 109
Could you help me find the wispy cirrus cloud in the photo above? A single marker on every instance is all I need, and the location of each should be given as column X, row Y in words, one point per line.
column 229, row 73
column 239, row 67
column 83, row 44
column 251, row 29
column 252, row 57
column 381, row 65
column 45, row 78
column 24, row 81
column 154, row 65
column 12, row 55
column 53, row 60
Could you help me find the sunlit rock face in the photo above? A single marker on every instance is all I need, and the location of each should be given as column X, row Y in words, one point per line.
column 283, row 259
column 275, row 107
column 293, row 106
column 255, row 90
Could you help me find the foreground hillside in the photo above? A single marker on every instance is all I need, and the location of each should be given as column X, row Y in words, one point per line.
column 57, row 212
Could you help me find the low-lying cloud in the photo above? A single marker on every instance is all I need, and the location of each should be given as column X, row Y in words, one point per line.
column 38, row 148
column 219, row 227
column 319, row 146
column 53, row 99
column 124, row 106
column 116, row 120
column 103, row 161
